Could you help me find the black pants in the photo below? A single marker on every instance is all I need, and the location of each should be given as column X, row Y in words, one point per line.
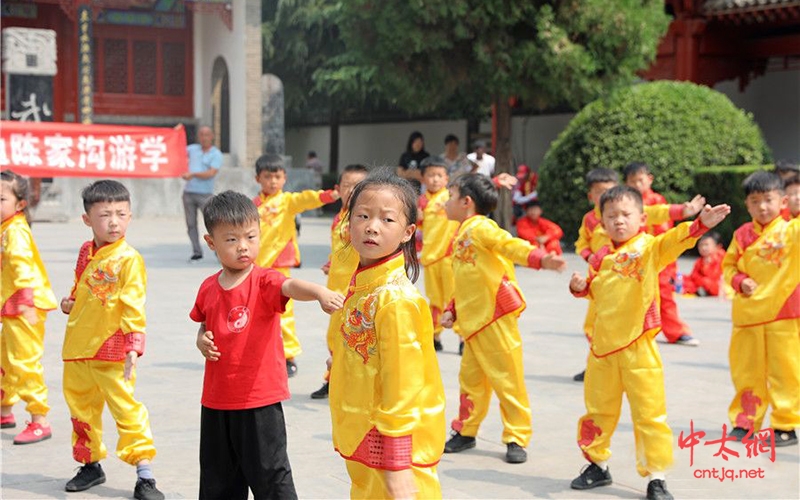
column 241, row 449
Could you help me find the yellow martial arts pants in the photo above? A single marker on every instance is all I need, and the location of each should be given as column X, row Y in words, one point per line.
column 88, row 386
column 492, row 360
column 291, row 344
column 439, row 286
column 636, row 371
column 367, row 482
column 21, row 362
column 765, row 368
column 588, row 322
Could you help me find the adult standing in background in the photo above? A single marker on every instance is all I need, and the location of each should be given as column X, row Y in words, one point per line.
column 316, row 166
column 482, row 159
column 410, row 160
column 455, row 161
column 205, row 161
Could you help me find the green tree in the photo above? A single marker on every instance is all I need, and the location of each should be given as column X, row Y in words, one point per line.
column 427, row 54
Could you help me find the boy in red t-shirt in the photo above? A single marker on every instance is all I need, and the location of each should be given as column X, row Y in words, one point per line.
column 540, row 232
column 242, row 430
column 707, row 270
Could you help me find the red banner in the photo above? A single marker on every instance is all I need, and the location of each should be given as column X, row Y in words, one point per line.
column 52, row 149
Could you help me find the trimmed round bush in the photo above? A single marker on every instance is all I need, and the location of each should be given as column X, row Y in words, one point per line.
column 675, row 127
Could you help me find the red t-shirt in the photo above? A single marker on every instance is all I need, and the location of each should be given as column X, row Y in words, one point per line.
column 245, row 321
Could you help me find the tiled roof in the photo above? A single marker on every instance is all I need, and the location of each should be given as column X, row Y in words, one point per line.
column 728, row 6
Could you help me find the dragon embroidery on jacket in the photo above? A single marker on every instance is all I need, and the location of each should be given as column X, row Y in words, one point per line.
column 102, row 281
column 773, row 249
column 628, row 265
column 465, row 251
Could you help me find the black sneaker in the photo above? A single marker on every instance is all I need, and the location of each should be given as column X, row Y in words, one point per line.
column 88, row 475
column 461, row 348
column 459, row 443
column 321, row 393
column 146, row 490
column 579, row 377
column 591, row 476
column 785, row 438
column 516, row 454
column 657, row 490
column 194, row 259
column 437, row 345
column 739, row 433
column 291, row 368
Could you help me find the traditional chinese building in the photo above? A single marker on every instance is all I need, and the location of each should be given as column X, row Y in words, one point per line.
column 155, row 62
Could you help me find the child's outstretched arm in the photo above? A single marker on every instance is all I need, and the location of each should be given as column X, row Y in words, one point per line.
column 693, row 207
column 711, row 216
column 205, row 343
column 306, row 291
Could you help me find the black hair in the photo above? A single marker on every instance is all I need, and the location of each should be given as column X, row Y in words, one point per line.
column 312, row 154
column 355, row 167
column 532, row 203
column 713, row 235
column 480, row 189
column 229, row 207
column 432, row 161
column 598, row 175
column 618, row 193
column 762, row 182
column 635, row 168
column 783, row 166
column 269, row 162
column 413, row 137
column 405, row 192
column 20, row 188
column 105, row 191
column 791, row 181
column 450, row 138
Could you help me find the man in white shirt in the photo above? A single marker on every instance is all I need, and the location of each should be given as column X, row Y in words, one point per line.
column 484, row 161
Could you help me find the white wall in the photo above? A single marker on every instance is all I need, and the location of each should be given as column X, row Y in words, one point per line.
column 370, row 144
column 211, row 40
column 774, row 100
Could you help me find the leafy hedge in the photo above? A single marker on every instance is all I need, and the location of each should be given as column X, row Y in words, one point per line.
column 675, row 127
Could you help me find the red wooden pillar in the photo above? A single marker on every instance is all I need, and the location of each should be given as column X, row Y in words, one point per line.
column 688, row 33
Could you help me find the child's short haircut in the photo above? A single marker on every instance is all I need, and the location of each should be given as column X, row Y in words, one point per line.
column 598, row 175
column 480, row 188
column 105, row 191
column 784, row 166
column 432, row 161
column 713, row 235
column 269, row 162
column 229, row 207
column 532, row 203
column 791, row 181
column 635, row 168
column 762, row 182
column 618, row 193
column 450, row 138
column 386, row 178
column 355, row 167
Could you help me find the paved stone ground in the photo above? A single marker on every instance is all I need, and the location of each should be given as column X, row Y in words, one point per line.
column 170, row 378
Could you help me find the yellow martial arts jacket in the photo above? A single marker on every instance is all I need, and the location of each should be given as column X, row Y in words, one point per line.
column 437, row 230
column 592, row 237
column 343, row 260
column 24, row 278
column 386, row 392
column 483, row 264
column 770, row 255
column 108, row 319
column 623, row 282
column 278, row 246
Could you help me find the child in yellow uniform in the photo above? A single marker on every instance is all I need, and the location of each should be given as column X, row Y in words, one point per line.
column 437, row 241
column 279, row 249
column 623, row 282
column 592, row 236
column 486, row 305
column 105, row 336
column 792, row 187
column 763, row 267
column 343, row 260
column 386, row 392
column 26, row 298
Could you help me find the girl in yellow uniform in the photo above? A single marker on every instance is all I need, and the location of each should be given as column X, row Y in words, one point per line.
column 386, row 392
column 26, row 298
